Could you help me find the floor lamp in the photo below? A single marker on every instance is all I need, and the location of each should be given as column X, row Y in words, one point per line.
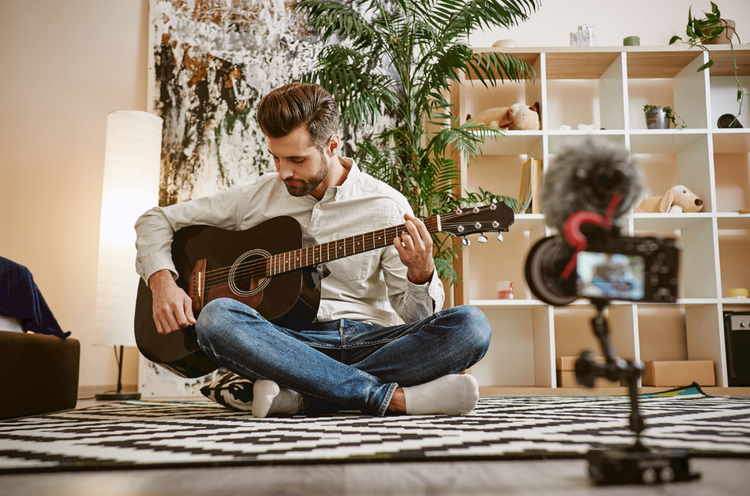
column 132, row 160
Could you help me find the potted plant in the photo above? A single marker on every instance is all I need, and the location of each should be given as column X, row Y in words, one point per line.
column 712, row 29
column 662, row 117
column 424, row 44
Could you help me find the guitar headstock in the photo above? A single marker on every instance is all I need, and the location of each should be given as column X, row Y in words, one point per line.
column 496, row 217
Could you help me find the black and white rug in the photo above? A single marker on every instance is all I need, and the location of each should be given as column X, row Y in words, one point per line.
column 145, row 434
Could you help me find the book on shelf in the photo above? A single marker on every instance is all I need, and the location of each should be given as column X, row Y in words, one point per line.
column 531, row 184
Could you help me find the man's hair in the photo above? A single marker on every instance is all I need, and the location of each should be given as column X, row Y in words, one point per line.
column 285, row 109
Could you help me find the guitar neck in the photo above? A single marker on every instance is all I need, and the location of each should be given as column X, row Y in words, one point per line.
column 340, row 248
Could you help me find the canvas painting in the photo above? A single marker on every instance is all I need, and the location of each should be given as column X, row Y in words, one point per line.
column 211, row 63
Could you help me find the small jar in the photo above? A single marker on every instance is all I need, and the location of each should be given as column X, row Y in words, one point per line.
column 505, row 290
column 631, row 41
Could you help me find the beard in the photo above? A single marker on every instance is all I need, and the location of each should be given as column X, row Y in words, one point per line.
column 305, row 186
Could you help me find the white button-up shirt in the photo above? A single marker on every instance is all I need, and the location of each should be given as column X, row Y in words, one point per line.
column 366, row 287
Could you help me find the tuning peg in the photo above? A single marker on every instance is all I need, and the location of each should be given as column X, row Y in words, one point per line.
column 500, row 237
column 465, row 241
column 482, row 238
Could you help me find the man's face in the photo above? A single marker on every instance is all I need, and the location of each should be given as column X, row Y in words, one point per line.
column 300, row 165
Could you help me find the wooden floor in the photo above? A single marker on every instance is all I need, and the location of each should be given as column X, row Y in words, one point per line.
column 729, row 392
column 720, row 477
column 730, row 477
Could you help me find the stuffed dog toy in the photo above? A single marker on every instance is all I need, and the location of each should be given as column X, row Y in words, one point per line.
column 678, row 199
column 517, row 117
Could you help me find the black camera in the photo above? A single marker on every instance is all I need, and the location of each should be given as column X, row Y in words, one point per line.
column 610, row 267
column 589, row 186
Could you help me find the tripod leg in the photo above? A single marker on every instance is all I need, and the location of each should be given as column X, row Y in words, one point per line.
column 636, row 464
column 616, row 369
column 636, row 419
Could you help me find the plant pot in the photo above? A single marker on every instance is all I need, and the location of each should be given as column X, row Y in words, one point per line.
column 728, row 121
column 725, row 38
column 657, row 119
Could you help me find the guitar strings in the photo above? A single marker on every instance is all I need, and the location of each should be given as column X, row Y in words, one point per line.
column 258, row 268
column 348, row 246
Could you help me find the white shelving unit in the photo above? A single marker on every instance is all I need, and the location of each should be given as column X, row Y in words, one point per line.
column 608, row 87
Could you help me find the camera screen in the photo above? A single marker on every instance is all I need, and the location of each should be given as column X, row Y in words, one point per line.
column 610, row 275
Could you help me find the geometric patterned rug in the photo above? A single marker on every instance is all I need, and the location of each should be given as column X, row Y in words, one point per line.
column 151, row 434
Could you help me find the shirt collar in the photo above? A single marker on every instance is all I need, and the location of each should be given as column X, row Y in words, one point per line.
column 339, row 192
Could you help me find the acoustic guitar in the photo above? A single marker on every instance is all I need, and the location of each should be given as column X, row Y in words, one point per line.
column 267, row 268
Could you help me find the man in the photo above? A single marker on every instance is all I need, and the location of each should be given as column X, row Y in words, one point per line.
column 354, row 355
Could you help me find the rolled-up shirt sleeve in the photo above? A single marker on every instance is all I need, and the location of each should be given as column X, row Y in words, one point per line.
column 156, row 227
column 411, row 301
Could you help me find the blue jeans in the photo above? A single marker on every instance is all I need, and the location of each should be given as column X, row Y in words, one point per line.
column 345, row 363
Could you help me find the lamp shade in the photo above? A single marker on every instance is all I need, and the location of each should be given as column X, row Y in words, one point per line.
column 132, row 159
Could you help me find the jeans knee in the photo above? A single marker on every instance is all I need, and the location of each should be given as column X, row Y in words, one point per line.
column 476, row 329
column 214, row 319
column 207, row 320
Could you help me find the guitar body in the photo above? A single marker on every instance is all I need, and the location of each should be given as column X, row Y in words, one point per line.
column 289, row 299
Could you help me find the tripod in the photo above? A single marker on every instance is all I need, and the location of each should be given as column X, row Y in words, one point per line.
column 636, row 464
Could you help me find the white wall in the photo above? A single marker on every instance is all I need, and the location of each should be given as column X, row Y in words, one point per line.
column 64, row 65
column 654, row 21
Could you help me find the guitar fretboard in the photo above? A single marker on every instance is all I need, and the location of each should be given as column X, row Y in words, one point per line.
column 339, row 248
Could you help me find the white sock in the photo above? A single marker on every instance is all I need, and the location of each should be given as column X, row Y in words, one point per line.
column 269, row 399
column 455, row 394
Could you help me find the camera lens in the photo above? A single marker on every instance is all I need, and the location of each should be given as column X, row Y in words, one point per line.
column 544, row 264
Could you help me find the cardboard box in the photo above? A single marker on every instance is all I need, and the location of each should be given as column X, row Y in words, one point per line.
column 567, row 378
column 681, row 373
column 566, row 375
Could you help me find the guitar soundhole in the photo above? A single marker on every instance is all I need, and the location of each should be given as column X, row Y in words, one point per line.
column 248, row 274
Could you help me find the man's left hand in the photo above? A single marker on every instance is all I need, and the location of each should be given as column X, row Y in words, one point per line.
column 414, row 247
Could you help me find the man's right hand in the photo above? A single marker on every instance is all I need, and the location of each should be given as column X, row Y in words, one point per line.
column 173, row 308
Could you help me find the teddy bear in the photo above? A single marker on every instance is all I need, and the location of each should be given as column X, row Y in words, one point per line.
column 678, row 199
column 517, row 117
column 505, row 44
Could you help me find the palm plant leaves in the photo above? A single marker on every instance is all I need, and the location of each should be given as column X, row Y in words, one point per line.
column 330, row 18
column 476, row 14
column 400, row 58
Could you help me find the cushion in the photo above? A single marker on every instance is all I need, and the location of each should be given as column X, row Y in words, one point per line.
column 38, row 373
column 11, row 324
column 232, row 391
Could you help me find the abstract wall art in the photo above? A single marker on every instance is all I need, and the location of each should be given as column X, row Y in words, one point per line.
column 211, row 62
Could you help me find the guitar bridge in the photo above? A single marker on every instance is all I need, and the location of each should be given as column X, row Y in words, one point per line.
column 197, row 286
